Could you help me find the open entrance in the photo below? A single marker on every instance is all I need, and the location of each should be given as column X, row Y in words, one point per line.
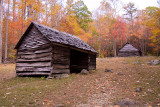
column 78, row 61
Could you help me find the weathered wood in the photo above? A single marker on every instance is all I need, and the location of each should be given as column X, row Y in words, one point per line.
column 59, row 66
column 44, row 59
column 127, row 54
column 35, row 52
column 57, row 59
column 32, row 73
column 129, row 50
column 37, row 39
column 19, row 69
column 71, row 47
column 36, row 64
column 61, row 50
column 34, row 56
column 44, row 46
column 92, row 62
column 61, row 71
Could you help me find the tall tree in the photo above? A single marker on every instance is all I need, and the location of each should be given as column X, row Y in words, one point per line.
column 6, row 42
column 153, row 22
column 1, row 21
column 82, row 14
column 130, row 13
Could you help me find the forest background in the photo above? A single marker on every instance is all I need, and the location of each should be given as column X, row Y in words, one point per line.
column 105, row 29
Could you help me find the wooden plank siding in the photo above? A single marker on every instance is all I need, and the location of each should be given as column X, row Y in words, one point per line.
column 61, row 60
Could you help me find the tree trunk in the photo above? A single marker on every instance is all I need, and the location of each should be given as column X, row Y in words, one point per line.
column 1, row 22
column 6, row 42
column 157, row 50
column 114, row 46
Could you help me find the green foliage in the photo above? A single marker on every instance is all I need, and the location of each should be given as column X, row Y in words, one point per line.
column 130, row 11
column 82, row 14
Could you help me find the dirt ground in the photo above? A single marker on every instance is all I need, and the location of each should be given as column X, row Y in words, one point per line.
column 7, row 71
column 98, row 89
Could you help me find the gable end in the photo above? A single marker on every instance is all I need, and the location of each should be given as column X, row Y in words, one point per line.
column 32, row 38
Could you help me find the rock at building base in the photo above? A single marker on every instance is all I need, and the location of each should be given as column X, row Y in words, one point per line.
column 57, row 76
column 127, row 103
column 84, row 72
column 108, row 70
column 155, row 62
column 61, row 76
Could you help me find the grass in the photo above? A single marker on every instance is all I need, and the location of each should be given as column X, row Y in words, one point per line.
column 138, row 75
column 85, row 89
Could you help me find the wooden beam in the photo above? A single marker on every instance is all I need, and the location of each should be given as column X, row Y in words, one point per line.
column 60, row 66
column 74, row 48
column 44, row 59
column 61, row 71
column 36, row 64
column 32, row 56
column 35, row 52
column 20, row 69
column 32, row 74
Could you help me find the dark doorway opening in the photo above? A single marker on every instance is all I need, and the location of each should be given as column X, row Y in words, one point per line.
column 78, row 61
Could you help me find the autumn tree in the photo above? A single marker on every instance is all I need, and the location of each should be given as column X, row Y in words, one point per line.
column 1, row 21
column 152, row 21
column 130, row 14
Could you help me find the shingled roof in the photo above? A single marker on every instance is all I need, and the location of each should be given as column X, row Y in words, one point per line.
column 59, row 37
column 128, row 47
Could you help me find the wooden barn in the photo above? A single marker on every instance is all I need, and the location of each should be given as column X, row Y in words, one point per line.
column 129, row 50
column 43, row 51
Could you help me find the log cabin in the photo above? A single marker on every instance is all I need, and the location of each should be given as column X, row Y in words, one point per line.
column 129, row 50
column 44, row 51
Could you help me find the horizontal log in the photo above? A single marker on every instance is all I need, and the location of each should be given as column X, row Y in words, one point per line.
column 32, row 71
column 59, row 66
column 34, row 56
column 35, row 52
column 32, row 74
column 44, row 59
column 61, row 71
column 36, row 64
column 64, row 61
column 19, row 69
column 60, row 56
column 63, row 54
column 65, row 51
column 61, row 63
column 61, row 59
column 74, row 48
column 39, row 47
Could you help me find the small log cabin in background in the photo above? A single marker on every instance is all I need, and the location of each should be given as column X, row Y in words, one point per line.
column 129, row 50
column 45, row 51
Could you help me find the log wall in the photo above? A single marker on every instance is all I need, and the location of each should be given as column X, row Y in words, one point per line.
column 91, row 62
column 128, row 54
column 61, row 60
column 33, row 39
column 34, row 55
